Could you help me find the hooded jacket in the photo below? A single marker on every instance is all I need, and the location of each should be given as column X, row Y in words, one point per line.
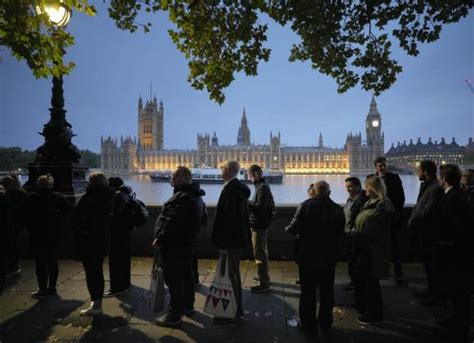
column 178, row 224
column 231, row 228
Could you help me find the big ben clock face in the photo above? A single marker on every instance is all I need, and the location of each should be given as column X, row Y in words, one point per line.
column 375, row 123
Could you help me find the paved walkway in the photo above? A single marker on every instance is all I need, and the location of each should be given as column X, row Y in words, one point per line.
column 268, row 317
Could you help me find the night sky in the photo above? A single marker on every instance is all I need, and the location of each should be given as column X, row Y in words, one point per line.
column 114, row 67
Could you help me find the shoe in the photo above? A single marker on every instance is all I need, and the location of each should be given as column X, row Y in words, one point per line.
column 110, row 293
column 311, row 332
column 423, row 294
column 434, row 301
column 297, row 281
column 91, row 312
column 366, row 320
column 52, row 292
column 188, row 312
column 168, row 321
column 14, row 271
column 40, row 294
column 260, row 289
column 256, row 280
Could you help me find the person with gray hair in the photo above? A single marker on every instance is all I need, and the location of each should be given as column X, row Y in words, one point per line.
column 231, row 231
column 319, row 224
column 92, row 219
column 43, row 211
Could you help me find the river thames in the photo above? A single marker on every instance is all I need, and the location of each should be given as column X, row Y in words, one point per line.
column 292, row 191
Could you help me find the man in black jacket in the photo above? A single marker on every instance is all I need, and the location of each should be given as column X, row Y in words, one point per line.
column 231, row 231
column 261, row 209
column 319, row 223
column 176, row 232
column 454, row 253
column 425, row 221
column 396, row 195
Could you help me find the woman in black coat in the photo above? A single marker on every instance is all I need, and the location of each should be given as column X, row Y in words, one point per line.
column 43, row 210
column 92, row 218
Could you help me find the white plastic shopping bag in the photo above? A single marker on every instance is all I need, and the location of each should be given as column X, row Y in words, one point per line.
column 220, row 301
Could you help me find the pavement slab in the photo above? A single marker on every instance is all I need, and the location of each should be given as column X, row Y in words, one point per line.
column 269, row 317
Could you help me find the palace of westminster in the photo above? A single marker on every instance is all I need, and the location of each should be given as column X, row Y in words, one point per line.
column 130, row 155
column 148, row 154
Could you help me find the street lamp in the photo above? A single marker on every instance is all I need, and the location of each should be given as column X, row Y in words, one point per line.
column 58, row 156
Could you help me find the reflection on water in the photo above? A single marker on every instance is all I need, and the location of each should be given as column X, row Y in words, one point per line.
column 292, row 191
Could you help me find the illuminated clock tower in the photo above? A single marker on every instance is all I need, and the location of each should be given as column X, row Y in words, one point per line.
column 375, row 136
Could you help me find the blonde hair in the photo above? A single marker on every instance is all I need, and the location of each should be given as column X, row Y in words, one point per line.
column 45, row 182
column 98, row 180
column 375, row 184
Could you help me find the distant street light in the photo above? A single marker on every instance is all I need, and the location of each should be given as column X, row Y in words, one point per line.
column 58, row 156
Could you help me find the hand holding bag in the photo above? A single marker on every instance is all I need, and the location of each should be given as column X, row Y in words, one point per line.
column 221, row 302
column 156, row 296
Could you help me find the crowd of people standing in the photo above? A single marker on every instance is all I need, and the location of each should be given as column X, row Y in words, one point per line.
column 366, row 229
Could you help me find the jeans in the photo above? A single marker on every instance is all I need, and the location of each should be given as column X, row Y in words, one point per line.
column 311, row 279
column 47, row 269
column 93, row 266
column 178, row 274
column 260, row 251
column 120, row 260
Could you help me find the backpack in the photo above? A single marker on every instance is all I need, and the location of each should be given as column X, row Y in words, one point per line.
column 137, row 214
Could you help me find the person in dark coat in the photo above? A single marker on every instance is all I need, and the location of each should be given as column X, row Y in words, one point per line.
column 176, row 230
column 204, row 219
column 231, row 230
column 372, row 248
column 319, row 224
column 93, row 218
column 454, row 254
column 17, row 196
column 396, row 195
column 43, row 210
column 467, row 186
column 424, row 220
column 5, row 224
column 354, row 203
column 119, row 250
column 261, row 210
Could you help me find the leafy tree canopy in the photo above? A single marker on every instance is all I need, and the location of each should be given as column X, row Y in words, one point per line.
column 350, row 41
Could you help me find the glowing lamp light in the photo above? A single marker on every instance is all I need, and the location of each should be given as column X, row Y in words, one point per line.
column 58, row 14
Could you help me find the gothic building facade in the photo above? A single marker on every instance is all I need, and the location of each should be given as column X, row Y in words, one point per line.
column 148, row 152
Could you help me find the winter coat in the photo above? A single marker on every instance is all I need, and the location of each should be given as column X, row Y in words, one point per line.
column 261, row 206
column 17, row 197
column 43, row 211
column 319, row 225
column 180, row 219
column 355, row 209
column 231, row 228
column 92, row 219
column 424, row 217
column 120, row 227
column 372, row 238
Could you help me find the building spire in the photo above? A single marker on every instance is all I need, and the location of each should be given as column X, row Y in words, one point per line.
column 320, row 142
column 373, row 103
